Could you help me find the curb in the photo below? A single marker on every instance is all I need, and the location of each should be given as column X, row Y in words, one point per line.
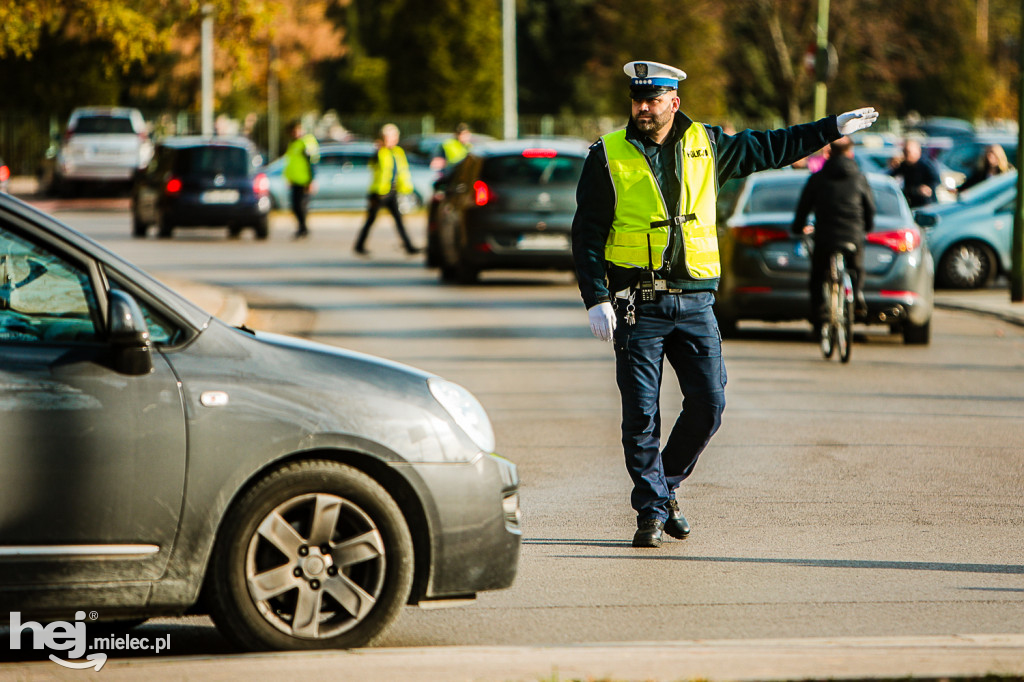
column 1011, row 318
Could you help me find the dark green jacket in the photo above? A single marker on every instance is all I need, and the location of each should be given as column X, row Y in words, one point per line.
column 735, row 156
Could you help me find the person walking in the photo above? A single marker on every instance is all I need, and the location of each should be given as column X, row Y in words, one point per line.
column 844, row 212
column 920, row 178
column 391, row 177
column 646, row 252
column 301, row 157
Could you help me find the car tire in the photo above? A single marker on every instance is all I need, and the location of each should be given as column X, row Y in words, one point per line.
column 967, row 265
column 262, row 228
column 917, row 334
column 454, row 269
column 165, row 229
column 139, row 227
column 273, row 540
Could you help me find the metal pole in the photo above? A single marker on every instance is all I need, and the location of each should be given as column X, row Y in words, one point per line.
column 820, row 88
column 207, row 70
column 1017, row 255
column 510, row 102
column 273, row 106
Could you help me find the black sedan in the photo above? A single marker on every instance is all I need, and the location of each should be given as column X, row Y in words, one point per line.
column 765, row 268
column 508, row 205
column 156, row 461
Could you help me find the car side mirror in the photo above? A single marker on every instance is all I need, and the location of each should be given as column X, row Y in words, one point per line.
column 129, row 336
column 926, row 220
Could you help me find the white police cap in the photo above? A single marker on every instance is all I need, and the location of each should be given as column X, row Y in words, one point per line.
column 652, row 78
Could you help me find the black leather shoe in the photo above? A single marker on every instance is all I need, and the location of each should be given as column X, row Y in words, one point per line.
column 648, row 534
column 676, row 525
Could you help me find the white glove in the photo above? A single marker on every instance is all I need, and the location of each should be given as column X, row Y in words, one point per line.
column 602, row 320
column 855, row 120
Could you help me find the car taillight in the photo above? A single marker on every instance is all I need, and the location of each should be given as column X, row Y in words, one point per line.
column 173, row 186
column 5, row 173
column 261, row 185
column 481, row 193
column 535, row 153
column 901, row 240
column 758, row 235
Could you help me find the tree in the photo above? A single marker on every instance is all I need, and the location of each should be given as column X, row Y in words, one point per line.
column 442, row 57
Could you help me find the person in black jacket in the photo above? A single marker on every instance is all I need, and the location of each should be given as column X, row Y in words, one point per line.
column 645, row 245
column 844, row 209
column 920, row 177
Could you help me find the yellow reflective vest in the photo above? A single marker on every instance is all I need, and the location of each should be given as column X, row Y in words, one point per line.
column 643, row 228
column 454, row 150
column 391, row 162
column 299, row 158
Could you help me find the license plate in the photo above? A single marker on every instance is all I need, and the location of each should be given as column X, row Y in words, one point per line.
column 219, row 196
column 544, row 242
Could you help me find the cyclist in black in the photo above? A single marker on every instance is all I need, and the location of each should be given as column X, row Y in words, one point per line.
column 844, row 209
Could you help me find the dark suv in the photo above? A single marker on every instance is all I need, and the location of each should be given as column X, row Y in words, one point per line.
column 199, row 181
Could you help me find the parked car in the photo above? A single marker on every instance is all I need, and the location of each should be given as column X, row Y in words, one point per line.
column 964, row 154
column 877, row 160
column 972, row 238
column 423, row 148
column 197, row 181
column 508, row 205
column 155, row 461
column 942, row 126
column 5, row 175
column 343, row 178
column 100, row 145
column 765, row 268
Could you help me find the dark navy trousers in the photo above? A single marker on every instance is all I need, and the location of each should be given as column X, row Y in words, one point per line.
column 682, row 328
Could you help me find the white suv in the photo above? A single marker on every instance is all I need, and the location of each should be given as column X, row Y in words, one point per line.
column 102, row 144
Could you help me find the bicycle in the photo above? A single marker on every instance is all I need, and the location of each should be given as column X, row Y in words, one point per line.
column 837, row 294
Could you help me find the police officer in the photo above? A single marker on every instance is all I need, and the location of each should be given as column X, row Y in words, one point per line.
column 646, row 251
column 453, row 149
column 391, row 177
column 301, row 157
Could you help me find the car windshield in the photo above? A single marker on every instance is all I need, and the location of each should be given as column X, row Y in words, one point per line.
column 231, row 161
column 103, row 124
column 532, row 170
column 782, row 195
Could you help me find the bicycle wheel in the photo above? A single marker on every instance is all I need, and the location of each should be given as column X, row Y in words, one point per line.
column 828, row 335
column 844, row 330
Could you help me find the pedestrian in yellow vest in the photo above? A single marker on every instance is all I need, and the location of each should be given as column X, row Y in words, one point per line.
column 301, row 157
column 453, row 149
column 391, row 177
column 645, row 243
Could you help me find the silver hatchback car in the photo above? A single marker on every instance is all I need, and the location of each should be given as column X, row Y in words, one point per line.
column 155, row 460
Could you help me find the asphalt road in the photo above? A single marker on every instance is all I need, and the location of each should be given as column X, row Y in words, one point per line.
column 876, row 499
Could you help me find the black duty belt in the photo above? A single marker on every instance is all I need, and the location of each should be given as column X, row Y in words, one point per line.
column 659, row 285
column 677, row 220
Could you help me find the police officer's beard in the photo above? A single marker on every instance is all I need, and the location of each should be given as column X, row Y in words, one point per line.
column 650, row 123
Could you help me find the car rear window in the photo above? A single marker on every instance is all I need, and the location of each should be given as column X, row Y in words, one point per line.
column 232, row 161
column 532, row 170
column 782, row 197
column 104, row 124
